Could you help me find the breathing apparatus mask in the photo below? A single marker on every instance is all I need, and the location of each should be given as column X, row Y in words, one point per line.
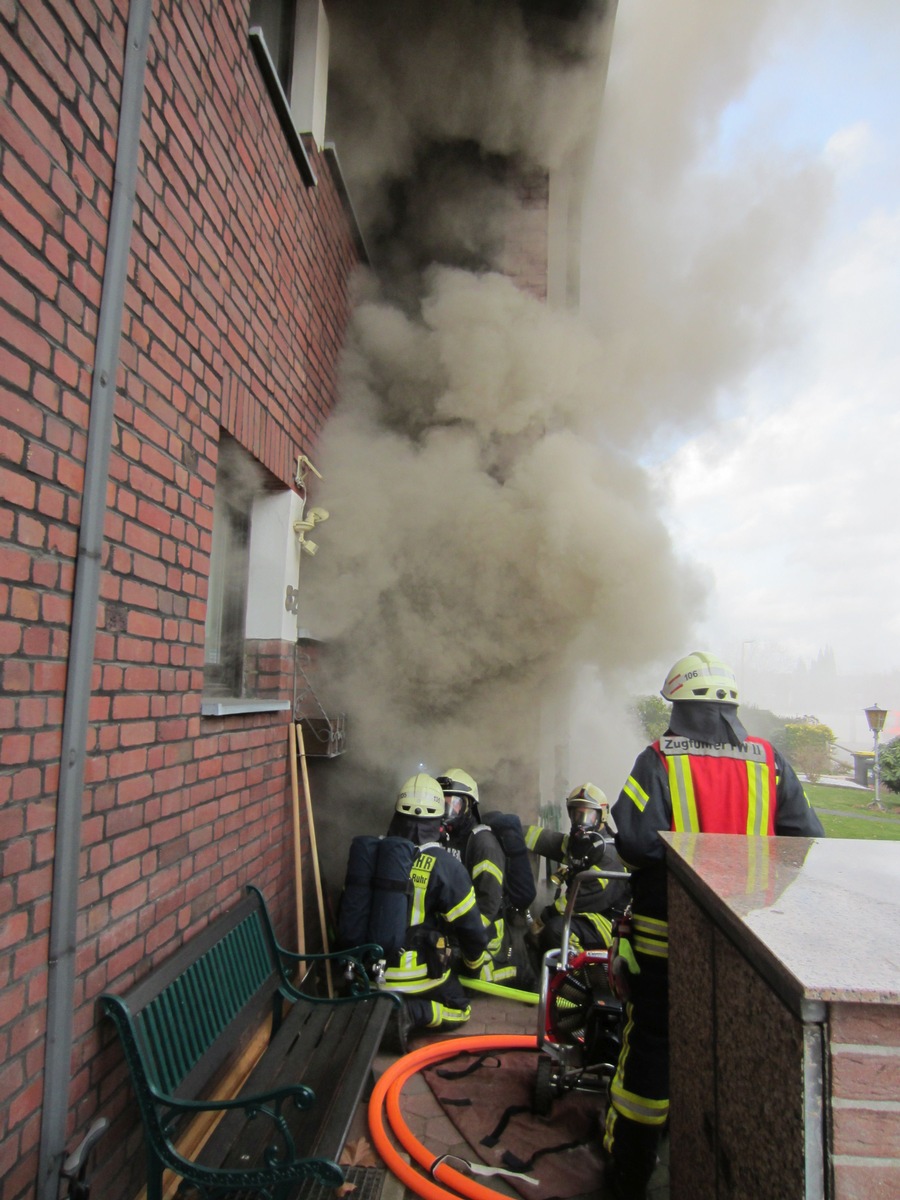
column 456, row 809
column 587, row 807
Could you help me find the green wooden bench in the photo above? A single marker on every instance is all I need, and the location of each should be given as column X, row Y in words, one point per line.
column 184, row 1022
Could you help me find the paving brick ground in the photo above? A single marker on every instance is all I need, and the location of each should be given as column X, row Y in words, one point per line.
column 428, row 1123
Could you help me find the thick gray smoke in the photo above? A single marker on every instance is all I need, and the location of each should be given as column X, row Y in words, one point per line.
column 433, row 105
column 486, row 532
column 491, row 530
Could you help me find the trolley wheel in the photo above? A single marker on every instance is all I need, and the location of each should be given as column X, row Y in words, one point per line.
column 544, row 1090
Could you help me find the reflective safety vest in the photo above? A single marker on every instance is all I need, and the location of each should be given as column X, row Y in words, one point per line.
column 720, row 788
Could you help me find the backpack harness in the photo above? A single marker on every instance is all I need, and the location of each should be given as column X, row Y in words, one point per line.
column 377, row 904
column 519, row 886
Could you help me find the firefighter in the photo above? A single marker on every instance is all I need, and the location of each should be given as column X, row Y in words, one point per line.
column 587, row 846
column 480, row 852
column 443, row 902
column 705, row 775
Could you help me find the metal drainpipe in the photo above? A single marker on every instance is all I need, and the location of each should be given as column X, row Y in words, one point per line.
column 64, row 900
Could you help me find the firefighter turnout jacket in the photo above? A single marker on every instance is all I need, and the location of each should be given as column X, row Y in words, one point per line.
column 443, row 902
column 597, row 899
column 480, row 851
column 680, row 783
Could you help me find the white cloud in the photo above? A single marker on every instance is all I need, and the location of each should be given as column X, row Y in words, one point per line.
column 852, row 147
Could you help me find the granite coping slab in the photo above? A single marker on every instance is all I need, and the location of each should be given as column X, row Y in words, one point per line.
column 819, row 917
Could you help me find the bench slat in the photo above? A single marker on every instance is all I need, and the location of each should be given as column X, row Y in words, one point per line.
column 326, row 1047
column 180, row 1026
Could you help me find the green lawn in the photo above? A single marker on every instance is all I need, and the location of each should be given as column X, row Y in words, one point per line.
column 844, row 814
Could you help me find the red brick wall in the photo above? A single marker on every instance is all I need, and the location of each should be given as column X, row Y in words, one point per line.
column 235, row 308
column 864, row 1043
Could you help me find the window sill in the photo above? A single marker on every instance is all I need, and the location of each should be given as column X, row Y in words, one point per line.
column 227, row 707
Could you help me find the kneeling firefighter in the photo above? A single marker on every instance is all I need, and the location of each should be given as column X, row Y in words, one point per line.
column 408, row 894
column 586, row 847
column 493, row 852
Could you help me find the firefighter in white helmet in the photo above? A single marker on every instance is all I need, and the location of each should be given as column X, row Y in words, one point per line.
column 478, row 848
column 704, row 775
column 585, row 846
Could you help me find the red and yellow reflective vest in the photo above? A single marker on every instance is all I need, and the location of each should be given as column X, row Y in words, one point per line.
column 720, row 788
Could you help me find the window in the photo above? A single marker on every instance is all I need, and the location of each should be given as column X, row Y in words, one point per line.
column 251, row 623
column 275, row 18
column 238, row 478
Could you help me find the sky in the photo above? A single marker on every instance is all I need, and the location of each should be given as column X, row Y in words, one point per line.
column 746, row 188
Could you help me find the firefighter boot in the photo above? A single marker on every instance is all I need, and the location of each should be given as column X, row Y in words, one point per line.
column 624, row 1183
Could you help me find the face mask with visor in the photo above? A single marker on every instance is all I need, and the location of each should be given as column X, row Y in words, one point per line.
column 454, row 810
column 584, row 819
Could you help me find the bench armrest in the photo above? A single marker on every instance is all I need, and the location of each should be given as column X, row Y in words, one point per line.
column 348, row 962
column 269, row 1103
column 284, row 1159
column 284, row 1162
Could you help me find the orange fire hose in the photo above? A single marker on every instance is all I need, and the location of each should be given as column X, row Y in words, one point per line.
column 387, row 1094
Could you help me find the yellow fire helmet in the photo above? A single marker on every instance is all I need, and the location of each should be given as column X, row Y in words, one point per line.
column 460, row 797
column 586, row 799
column 457, row 782
column 420, row 796
column 701, row 676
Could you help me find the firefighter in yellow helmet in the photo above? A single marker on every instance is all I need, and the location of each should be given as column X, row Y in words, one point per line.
column 586, row 846
column 479, row 849
column 704, row 775
column 442, row 903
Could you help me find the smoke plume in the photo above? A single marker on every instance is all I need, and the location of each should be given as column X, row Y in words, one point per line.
column 492, row 533
column 497, row 546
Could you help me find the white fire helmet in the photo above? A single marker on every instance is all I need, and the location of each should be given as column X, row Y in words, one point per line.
column 420, row 796
column 588, row 806
column 701, row 676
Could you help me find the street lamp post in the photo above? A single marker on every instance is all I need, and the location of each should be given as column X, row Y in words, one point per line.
column 875, row 716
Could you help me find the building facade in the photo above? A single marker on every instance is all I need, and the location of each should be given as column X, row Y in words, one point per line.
column 200, row 305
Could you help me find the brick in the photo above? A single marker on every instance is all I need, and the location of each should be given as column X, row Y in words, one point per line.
column 120, row 877
column 15, row 749
column 866, row 1181
column 10, row 638
column 16, row 488
column 870, row 1073
column 870, row 1024
column 27, row 264
column 13, row 929
column 24, row 604
column 865, row 1132
column 131, row 845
